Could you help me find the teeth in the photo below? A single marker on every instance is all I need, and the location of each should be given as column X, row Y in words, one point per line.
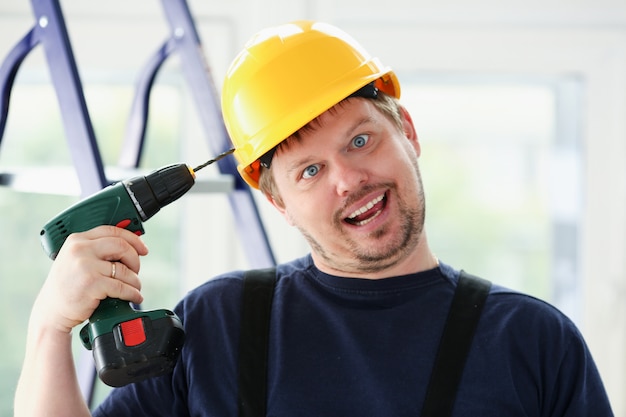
column 366, row 207
column 366, row 221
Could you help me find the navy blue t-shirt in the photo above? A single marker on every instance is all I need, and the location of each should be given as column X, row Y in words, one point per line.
column 359, row 347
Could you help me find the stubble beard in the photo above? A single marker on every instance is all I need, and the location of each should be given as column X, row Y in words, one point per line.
column 374, row 257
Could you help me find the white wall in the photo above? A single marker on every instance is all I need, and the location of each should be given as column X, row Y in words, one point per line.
column 585, row 38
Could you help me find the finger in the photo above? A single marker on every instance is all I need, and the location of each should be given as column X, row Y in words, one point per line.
column 109, row 244
column 117, row 250
column 121, row 272
column 125, row 284
column 113, row 231
column 115, row 288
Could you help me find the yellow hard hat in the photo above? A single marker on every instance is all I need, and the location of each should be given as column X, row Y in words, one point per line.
column 287, row 76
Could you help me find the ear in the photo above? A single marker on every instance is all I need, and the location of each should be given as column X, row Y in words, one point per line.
column 277, row 202
column 409, row 130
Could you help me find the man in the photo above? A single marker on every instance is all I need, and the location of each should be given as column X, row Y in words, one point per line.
column 355, row 326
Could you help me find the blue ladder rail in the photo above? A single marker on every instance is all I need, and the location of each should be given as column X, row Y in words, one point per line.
column 51, row 32
column 185, row 41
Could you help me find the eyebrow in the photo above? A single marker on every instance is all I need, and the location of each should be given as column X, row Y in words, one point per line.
column 360, row 122
column 348, row 132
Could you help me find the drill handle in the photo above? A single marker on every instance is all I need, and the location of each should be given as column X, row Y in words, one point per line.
column 109, row 313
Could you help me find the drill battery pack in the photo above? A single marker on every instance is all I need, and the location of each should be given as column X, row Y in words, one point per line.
column 135, row 349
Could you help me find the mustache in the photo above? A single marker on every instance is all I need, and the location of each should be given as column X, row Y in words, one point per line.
column 359, row 194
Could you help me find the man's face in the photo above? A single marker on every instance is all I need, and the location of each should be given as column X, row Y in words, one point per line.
column 352, row 186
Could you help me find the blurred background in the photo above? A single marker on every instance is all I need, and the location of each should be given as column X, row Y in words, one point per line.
column 520, row 107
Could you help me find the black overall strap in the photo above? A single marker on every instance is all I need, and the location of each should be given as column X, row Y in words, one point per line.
column 467, row 304
column 258, row 291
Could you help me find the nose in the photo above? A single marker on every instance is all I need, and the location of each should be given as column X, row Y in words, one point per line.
column 347, row 175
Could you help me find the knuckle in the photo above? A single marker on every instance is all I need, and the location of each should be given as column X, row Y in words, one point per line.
column 121, row 270
column 72, row 243
column 118, row 289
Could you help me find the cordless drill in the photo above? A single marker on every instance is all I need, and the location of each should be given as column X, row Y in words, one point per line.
column 128, row 345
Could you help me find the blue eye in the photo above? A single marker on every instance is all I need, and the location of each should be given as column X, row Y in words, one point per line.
column 360, row 140
column 310, row 171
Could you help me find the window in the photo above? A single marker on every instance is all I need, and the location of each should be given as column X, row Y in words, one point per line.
column 501, row 164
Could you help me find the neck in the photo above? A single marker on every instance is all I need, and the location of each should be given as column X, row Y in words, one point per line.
column 418, row 260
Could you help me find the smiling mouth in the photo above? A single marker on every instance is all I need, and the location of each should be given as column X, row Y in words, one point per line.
column 367, row 212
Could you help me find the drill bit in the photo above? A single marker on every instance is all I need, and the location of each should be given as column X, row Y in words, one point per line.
column 217, row 158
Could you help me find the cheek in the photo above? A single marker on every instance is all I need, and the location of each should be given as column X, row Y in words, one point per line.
column 409, row 157
column 306, row 213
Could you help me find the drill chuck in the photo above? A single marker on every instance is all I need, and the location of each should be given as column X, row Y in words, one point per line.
column 159, row 188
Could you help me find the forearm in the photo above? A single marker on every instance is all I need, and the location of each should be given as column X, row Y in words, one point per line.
column 48, row 384
column 80, row 277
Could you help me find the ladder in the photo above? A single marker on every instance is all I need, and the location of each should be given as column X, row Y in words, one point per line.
column 51, row 32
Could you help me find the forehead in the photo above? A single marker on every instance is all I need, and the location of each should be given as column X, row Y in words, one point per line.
column 343, row 115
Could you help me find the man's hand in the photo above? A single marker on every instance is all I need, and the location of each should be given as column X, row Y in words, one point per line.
column 82, row 276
